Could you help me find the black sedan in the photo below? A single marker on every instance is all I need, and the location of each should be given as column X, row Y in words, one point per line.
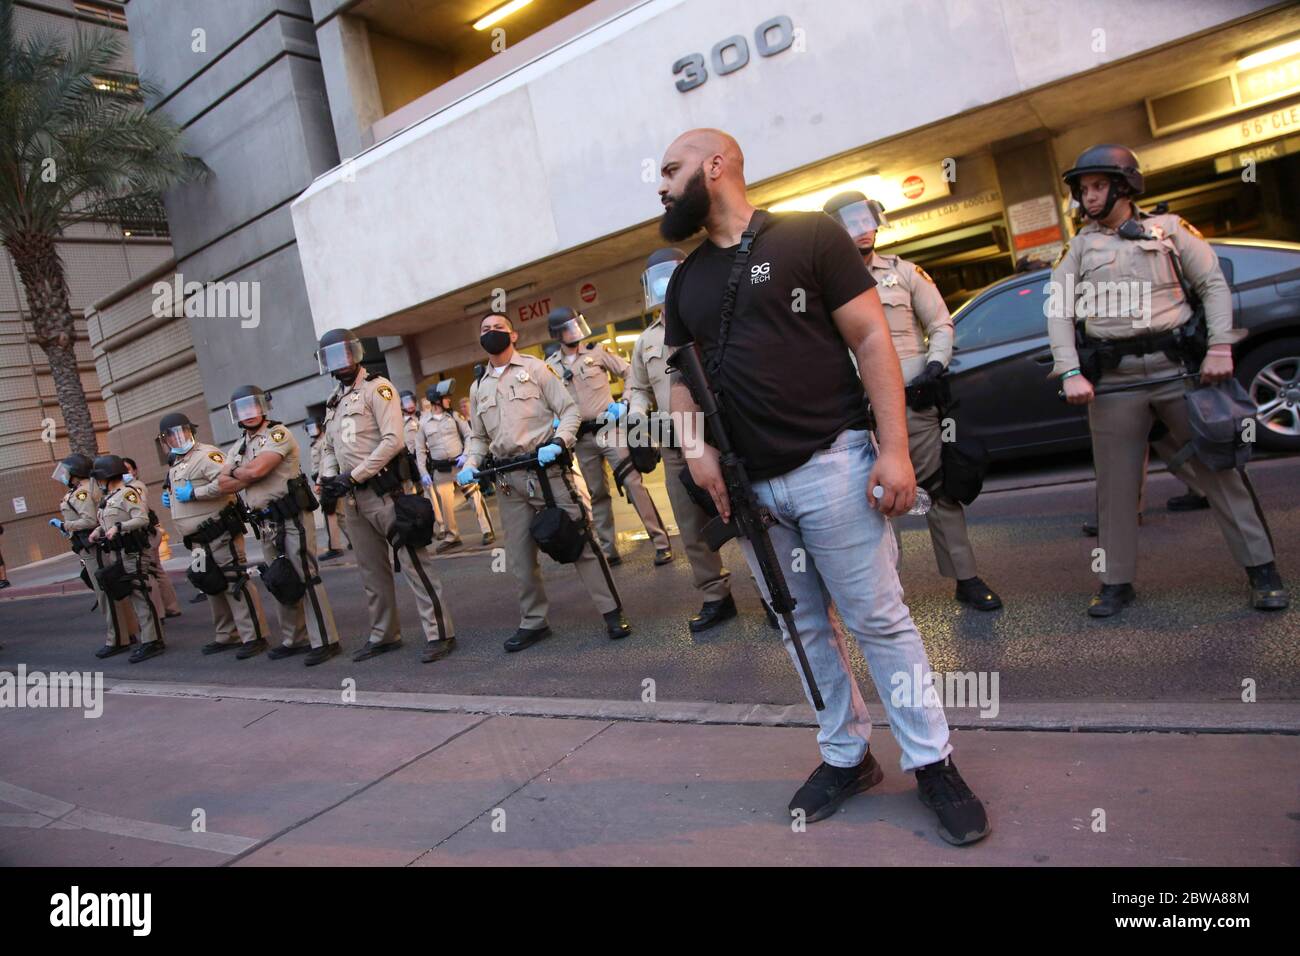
column 1001, row 358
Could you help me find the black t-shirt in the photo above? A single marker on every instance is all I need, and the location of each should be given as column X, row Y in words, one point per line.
column 789, row 385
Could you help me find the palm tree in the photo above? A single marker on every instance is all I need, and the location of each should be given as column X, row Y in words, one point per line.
column 72, row 148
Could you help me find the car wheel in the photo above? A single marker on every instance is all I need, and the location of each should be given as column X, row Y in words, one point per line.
column 1271, row 375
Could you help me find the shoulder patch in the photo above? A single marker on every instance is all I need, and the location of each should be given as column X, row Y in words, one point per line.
column 132, row 497
column 385, row 393
column 216, row 456
column 1190, row 228
column 1064, row 249
column 82, row 496
column 923, row 274
column 279, row 435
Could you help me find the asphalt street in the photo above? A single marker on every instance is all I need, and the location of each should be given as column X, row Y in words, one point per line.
column 1190, row 637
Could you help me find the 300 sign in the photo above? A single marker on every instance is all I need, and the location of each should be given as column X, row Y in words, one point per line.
column 770, row 38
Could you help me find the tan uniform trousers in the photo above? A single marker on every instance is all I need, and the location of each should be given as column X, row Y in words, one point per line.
column 711, row 578
column 368, row 517
column 946, row 518
column 520, row 497
column 312, row 618
column 237, row 614
column 119, row 616
column 592, row 456
column 1120, row 424
column 166, row 591
column 445, row 496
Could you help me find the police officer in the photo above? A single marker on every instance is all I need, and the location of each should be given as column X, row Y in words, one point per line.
column 1144, row 345
column 212, row 529
column 514, row 407
column 440, row 452
column 649, row 386
column 263, row 468
column 921, row 330
column 585, row 371
column 166, row 592
column 410, row 428
column 360, row 466
column 315, row 428
column 123, row 532
column 79, row 516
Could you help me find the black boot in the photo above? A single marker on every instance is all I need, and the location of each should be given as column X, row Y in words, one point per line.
column 962, row 818
column 526, row 637
column 250, row 649
column 978, row 595
column 1267, row 592
column 712, row 614
column 281, row 651
column 829, row 786
column 1111, row 599
column 616, row 625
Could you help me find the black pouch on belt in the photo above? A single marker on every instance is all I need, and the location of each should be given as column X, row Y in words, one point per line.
column 965, row 462
column 283, row 581
column 301, row 493
column 211, row 579
column 556, row 534
column 114, row 581
column 412, row 522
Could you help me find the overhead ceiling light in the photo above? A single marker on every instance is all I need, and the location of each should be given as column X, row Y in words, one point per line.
column 1269, row 54
column 500, row 13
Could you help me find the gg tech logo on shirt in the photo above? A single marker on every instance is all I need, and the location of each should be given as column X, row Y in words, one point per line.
column 760, row 273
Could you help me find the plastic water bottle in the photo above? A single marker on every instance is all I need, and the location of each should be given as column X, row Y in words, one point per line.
column 919, row 507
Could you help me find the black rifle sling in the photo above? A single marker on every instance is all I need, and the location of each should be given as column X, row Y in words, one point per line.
column 726, row 312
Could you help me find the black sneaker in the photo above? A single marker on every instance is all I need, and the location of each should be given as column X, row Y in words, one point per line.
column 1267, row 592
column 371, row 649
column 281, row 651
column 319, row 655
column 109, row 650
column 961, row 815
column 1111, row 599
column 978, row 595
column 829, row 786
column 145, row 651
column 250, row 649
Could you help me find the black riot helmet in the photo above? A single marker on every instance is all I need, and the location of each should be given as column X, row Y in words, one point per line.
column 74, row 466
column 175, row 436
column 659, row 269
column 436, row 392
column 1116, row 162
column 338, row 351
column 248, row 402
column 107, row 467
column 567, row 325
column 856, row 213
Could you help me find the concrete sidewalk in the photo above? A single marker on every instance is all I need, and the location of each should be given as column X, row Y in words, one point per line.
column 314, row 784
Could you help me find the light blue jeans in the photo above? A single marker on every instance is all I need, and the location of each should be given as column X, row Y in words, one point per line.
column 834, row 547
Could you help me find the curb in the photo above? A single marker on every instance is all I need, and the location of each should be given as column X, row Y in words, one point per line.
column 1074, row 717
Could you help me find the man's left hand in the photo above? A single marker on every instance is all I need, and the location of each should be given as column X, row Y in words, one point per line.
column 228, row 484
column 1217, row 367
column 184, row 491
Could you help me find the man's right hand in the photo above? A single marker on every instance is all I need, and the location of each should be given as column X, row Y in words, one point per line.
column 706, row 472
column 1078, row 390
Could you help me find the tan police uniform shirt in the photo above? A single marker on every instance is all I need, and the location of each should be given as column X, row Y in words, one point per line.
column 441, row 437
column 512, row 413
column 127, row 507
column 79, row 509
column 411, row 432
column 1095, row 277
column 201, row 466
column 919, row 323
column 268, row 440
column 375, row 433
column 591, row 367
column 315, row 455
column 648, row 381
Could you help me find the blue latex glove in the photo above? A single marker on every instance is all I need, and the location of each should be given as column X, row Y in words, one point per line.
column 467, row 475
column 460, row 461
column 616, row 410
column 184, row 491
column 56, row 523
column 555, row 422
column 548, row 453
column 166, row 498
column 426, row 480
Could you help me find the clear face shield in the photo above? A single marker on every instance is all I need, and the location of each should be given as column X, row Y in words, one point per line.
column 176, row 441
column 409, row 405
column 313, row 430
column 861, row 218
column 654, row 283
column 573, row 331
column 338, row 356
column 249, row 408
column 63, row 475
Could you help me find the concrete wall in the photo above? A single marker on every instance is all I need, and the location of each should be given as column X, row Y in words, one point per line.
column 253, row 105
column 552, row 157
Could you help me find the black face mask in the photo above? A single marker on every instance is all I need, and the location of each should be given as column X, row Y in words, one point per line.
column 348, row 375
column 494, row 342
column 685, row 217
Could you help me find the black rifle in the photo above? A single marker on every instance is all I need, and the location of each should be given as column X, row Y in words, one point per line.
column 749, row 519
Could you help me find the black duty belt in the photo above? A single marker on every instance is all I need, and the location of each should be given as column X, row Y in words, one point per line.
column 588, row 428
